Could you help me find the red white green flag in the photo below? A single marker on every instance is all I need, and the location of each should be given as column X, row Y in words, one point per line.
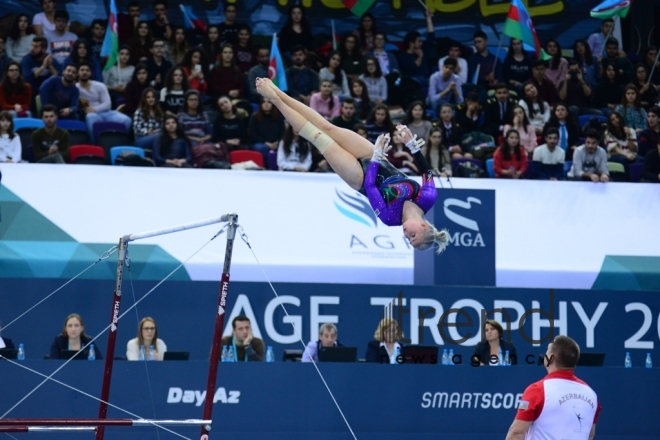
column 358, row 7
column 611, row 9
column 519, row 25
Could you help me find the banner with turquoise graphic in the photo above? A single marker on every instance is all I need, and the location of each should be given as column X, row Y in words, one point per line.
column 308, row 227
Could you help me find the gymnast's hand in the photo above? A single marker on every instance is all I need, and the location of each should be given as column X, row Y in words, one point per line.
column 381, row 147
column 413, row 144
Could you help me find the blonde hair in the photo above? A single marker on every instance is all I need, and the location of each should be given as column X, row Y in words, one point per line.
column 383, row 325
column 433, row 236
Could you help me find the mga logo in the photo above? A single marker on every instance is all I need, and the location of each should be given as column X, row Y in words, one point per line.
column 471, row 237
column 356, row 207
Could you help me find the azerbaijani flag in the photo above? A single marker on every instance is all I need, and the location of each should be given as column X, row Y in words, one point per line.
column 276, row 67
column 519, row 25
column 110, row 46
column 358, row 7
column 611, row 9
column 191, row 21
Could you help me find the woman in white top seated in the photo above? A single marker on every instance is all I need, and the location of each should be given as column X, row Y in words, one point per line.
column 147, row 336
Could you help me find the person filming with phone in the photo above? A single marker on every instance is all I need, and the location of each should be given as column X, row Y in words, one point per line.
column 575, row 92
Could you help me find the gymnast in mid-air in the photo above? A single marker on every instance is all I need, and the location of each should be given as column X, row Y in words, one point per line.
column 396, row 199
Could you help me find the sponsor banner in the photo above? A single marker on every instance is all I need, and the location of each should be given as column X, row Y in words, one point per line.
column 309, row 228
column 289, row 401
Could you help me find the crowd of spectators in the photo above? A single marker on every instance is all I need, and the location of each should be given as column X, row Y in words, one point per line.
column 177, row 91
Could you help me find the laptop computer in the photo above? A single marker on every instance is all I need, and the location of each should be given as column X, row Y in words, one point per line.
column 338, row 354
column 586, row 360
column 176, row 356
column 420, row 354
column 9, row 353
column 68, row 354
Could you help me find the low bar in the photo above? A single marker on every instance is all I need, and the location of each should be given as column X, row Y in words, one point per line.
column 198, row 224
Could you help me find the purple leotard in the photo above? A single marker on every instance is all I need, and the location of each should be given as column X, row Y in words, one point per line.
column 388, row 191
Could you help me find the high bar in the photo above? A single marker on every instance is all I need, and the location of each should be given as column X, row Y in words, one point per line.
column 70, row 423
column 198, row 224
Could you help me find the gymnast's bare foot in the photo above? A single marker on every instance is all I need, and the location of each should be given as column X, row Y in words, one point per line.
column 264, row 87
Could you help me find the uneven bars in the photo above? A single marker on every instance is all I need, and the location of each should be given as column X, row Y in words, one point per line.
column 46, row 428
column 99, row 422
column 147, row 234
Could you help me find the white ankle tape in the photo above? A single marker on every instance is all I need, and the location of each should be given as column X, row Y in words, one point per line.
column 317, row 138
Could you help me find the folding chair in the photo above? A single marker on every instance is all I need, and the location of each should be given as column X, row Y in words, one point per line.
column 238, row 156
column 116, row 151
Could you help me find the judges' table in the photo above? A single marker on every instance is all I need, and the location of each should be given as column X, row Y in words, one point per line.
column 289, row 401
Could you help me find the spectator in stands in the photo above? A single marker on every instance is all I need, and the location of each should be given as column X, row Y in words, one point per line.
column 212, row 44
column 545, row 89
column 451, row 132
column 193, row 120
column 302, row 80
column 178, row 46
column 652, row 165
column 266, row 128
column 363, row 105
column 140, row 43
column 622, row 65
column 172, row 148
column 401, row 157
column 95, row 37
column 632, row 110
column 176, row 85
column 137, row 349
column 361, row 129
column 19, row 39
column 567, row 129
column 15, row 93
column 366, row 33
column 116, row 78
column 575, row 92
column 327, row 338
column 147, row 119
column 81, row 53
column 50, row 144
column 293, row 152
column 417, row 121
column 649, row 138
column 609, row 91
column 127, row 23
column 588, row 66
column 445, row 86
column 537, row 110
column 336, row 75
column 228, row 29
column 597, row 40
column 229, row 127
column 195, row 66
column 226, row 77
column 60, row 41
column 351, row 58
column 160, row 26
column 325, row 102
column 590, row 160
column 347, row 118
column 375, row 81
column 620, row 141
column 649, row 60
column 244, row 51
column 520, row 123
column 386, row 60
column 517, row 69
column 462, row 65
column 498, row 110
column 386, row 345
column 246, row 348
column 379, row 122
column 5, row 342
column 648, row 94
column 468, row 114
column 62, row 92
column 43, row 23
column 37, row 66
column 437, row 154
column 493, row 347
column 4, row 58
column 135, row 87
column 296, row 31
column 415, row 58
column 97, row 97
column 510, row 160
column 557, row 65
column 258, row 71
column 10, row 143
column 157, row 65
column 73, row 338
column 549, row 160
column 490, row 72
